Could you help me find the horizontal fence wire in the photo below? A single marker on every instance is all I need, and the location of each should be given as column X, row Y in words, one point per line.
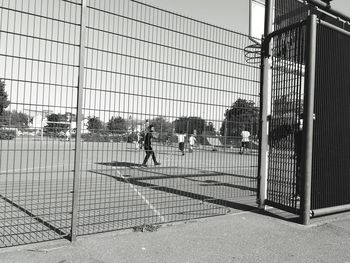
column 331, row 140
column 187, row 78
column 285, row 124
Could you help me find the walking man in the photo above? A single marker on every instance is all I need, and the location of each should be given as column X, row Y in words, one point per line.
column 192, row 141
column 148, row 148
column 181, row 140
column 245, row 141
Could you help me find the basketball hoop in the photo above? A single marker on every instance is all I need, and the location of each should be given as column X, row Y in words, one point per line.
column 252, row 53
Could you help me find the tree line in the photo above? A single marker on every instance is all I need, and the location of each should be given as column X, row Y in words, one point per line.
column 241, row 115
column 11, row 118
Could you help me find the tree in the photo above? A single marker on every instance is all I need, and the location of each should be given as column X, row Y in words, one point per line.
column 56, row 124
column 18, row 119
column 94, row 124
column 189, row 124
column 210, row 129
column 242, row 115
column 15, row 119
column 161, row 125
column 4, row 102
column 117, row 125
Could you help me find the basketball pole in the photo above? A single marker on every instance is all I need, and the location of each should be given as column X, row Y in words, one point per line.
column 265, row 81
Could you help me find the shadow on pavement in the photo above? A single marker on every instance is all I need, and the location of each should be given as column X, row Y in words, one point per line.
column 121, row 164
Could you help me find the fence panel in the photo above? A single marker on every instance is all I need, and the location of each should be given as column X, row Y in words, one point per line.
column 187, row 78
column 39, row 46
column 182, row 75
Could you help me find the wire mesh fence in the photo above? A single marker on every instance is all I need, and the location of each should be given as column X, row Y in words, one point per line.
column 39, row 60
column 144, row 67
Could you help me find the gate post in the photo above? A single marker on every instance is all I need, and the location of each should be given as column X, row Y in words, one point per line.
column 77, row 156
column 264, row 105
column 309, row 92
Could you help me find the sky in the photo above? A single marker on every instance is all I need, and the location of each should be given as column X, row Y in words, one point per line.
column 179, row 68
column 232, row 14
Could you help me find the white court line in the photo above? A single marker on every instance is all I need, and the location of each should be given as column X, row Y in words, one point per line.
column 130, row 184
column 134, row 188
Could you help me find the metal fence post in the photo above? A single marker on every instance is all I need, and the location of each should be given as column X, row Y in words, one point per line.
column 264, row 99
column 77, row 157
column 306, row 166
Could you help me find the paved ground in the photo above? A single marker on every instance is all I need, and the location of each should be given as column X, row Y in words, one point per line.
column 238, row 237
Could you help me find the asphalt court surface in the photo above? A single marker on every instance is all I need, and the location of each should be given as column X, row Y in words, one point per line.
column 107, row 202
column 36, row 202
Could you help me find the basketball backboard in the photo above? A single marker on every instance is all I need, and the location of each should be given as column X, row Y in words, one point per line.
column 256, row 19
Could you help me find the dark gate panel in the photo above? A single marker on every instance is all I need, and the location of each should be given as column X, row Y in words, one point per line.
column 286, row 107
column 331, row 141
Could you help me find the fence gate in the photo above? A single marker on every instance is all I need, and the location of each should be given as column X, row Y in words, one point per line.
column 308, row 156
column 287, row 95
column 113, row 65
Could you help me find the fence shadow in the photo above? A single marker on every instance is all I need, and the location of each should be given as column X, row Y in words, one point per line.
column 184, row 193
column 121, row 164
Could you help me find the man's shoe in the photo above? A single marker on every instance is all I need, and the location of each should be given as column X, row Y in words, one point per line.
column 156, row 163
column 144, row 165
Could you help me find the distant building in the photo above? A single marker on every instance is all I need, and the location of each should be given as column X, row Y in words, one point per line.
column 38, row 121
